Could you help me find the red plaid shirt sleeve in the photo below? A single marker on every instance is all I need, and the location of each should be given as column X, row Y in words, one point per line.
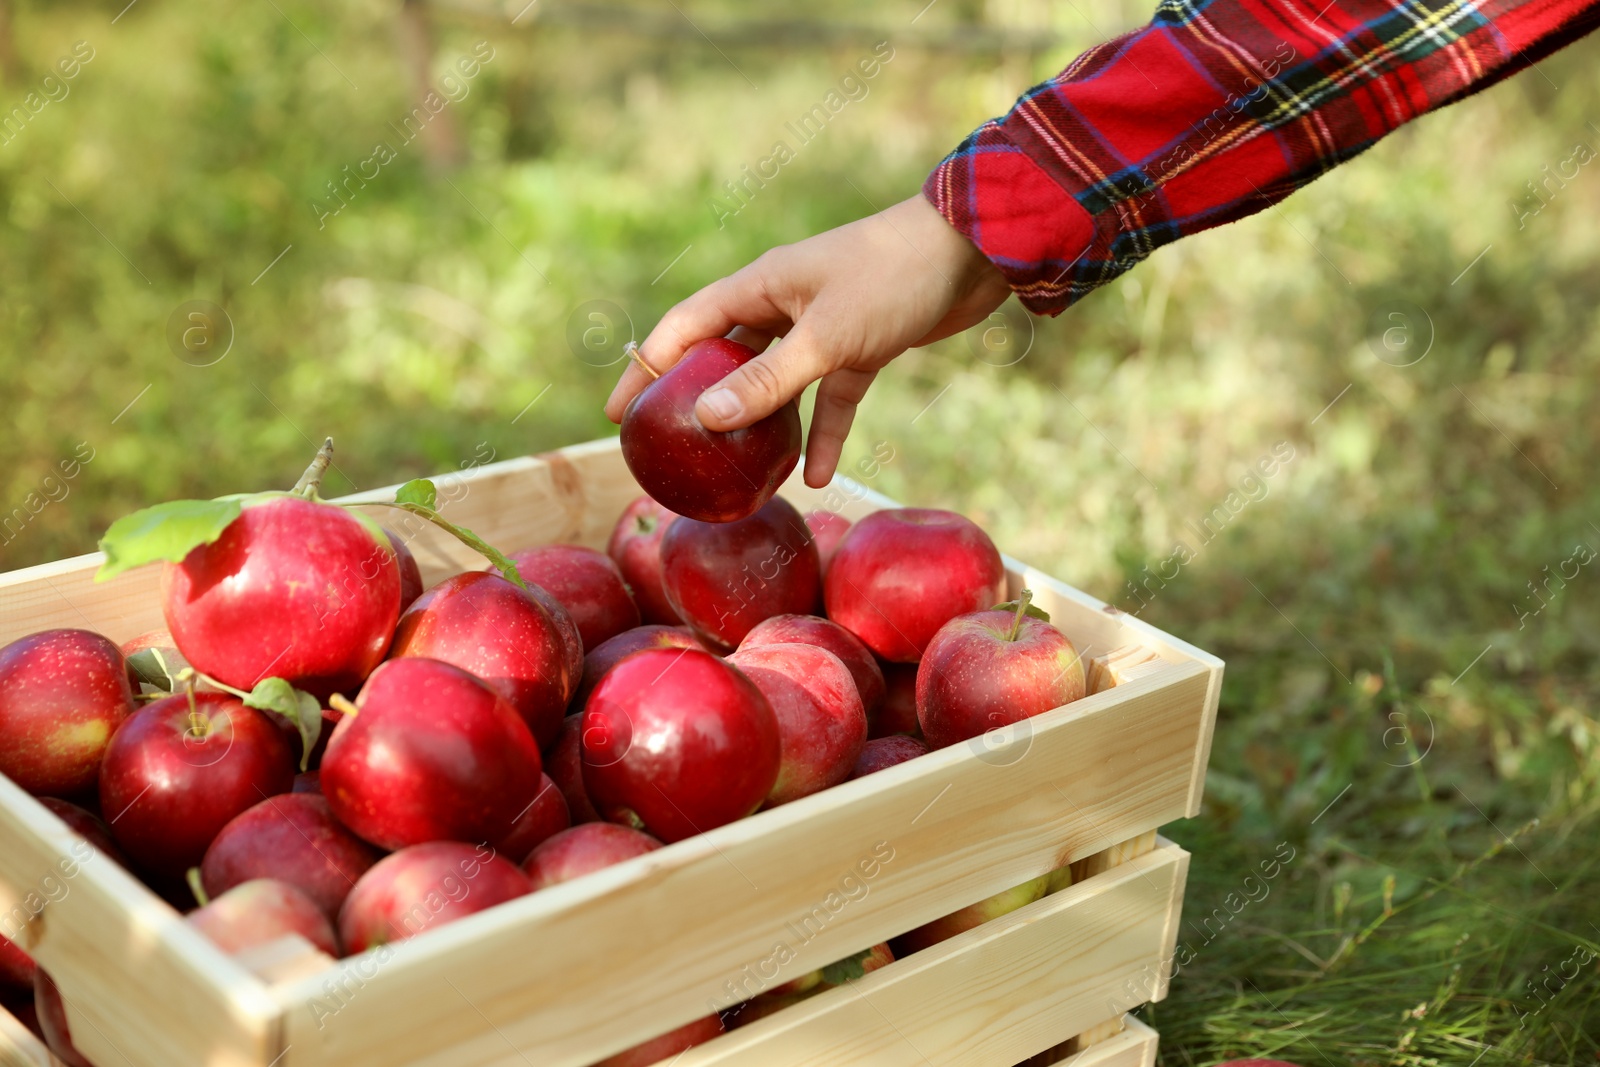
column 1215, row 110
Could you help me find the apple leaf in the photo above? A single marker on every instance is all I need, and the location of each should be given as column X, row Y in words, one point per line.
column 167, row 531
column 1033, row 610
column 846, row 970
column 151, row 668
column 418, row 491
column 302, row 709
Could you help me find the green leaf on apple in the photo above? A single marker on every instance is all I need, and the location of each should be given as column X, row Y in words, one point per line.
column 167, row 531
column 846, row 970
column 418, row 491
column 302, row 709
column 1033, row 610
column 150, row 667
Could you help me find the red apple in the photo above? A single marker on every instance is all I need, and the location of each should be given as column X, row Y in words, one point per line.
column 828, row 529
column 261, row 911
column 295, row 839
column 724, row 577
column 87, row 825
column 16, row 966
column 992, row 668
column 53, row 1021
column 63, row 693
column 587, row 583
column 430, row 754
column 677, row 742
column 423, row 887
column 898, row 715
column 636, row 549
column 821, row 726
column 543, row 818
column 608, row 654
column 308, row 782
column 815, row 630
column 162, row 641
column 670, row 1045
column 881, row 752
column 583, row 850
column 563, row 762
column 758, row 1008
column 410, row 574
column 971, row 917
column 705, row 474
column 571, row 639
column 483, row 624
column 902, row 573
column 179, row 769
column 293, row 589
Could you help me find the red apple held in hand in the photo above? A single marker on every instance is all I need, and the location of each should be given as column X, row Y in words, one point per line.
column 705, row 474
column 881, row 752
column 564, row 764
column 293, row 589
column 545, row 817
column 583, row 850
column 423, row 887
column 669, row 1045
column 902, row 573
column 63, row 693
column 16, row 966
column 179, row 769
column 486, row 626
column 724, row 577
column 430, row 753
column 821, row 726
column 636, row 548
column 898, row 715
column 598, row 663
column 410, row 574
column 294, row 839
column 990, row 669
column 259, row 912
column 677, row 742
column 53, row 1021
column 815, row 630
column 828, row 529
column 971, row 917
column 587, row 583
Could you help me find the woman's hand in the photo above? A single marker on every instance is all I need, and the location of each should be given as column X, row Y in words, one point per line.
column 845, row 302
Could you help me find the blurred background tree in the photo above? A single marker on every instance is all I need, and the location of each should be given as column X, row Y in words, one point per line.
column 1408, row 687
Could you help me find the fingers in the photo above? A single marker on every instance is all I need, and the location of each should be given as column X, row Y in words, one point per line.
column 766, row 383
column 831, row 415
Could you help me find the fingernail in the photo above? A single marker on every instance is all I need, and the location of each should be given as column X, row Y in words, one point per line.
column 723, row 404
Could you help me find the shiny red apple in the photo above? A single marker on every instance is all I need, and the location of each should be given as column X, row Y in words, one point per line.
column 635, row 547
column 488, row 627
column 677, row 742
column 261, row 911
column 725, row 577
column 705, row 474
column 992, row 668
column 571, row 639
column 583, row 850
column 828, row 528
column 410, row 574
column 424, row 887
column 430, row 754
column 598, row 663
column 821, row 725
column 63, row 693
column 563, row 762
column 16, row 966
column 898, row 715
column 87, row 825
column 179, row 769
column 544, row 817
column 587, row 583
column 293, row 589
column 824, row 633
column 52, row 1014
column 881, row 752
column 293, row 838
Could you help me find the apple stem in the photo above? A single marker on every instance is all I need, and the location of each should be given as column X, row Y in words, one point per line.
column 312, row 478
column 197, row 887
column 631, row 350
column 1022, row 609
column 339, row 703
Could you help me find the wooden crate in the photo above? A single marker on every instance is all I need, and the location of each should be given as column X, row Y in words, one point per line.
column 571, row 974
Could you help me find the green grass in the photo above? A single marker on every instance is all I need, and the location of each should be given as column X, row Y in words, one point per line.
column 1388, row 711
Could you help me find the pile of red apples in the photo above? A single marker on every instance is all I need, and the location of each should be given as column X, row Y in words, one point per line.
column 513, row 731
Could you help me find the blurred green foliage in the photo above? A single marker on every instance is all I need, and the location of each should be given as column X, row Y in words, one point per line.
column 1394, row 707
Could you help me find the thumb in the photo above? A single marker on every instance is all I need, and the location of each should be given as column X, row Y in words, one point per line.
column 764, row 384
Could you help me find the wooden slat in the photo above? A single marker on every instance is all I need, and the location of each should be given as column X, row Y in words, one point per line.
column 19, row 1047
column 986, row 998
column 141, row 986
column 1133, row 1046
column 540, row 972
